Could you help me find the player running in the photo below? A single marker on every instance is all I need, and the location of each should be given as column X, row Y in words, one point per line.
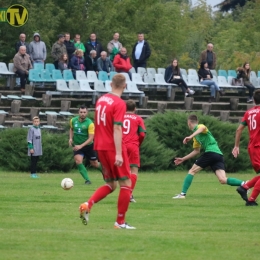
column 109, row 117
column 133, row 136
column 213, row 157
column 251, row 120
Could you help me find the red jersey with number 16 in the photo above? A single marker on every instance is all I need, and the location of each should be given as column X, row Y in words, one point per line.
column 252, row 120
column 110, row 110
column 133, row 129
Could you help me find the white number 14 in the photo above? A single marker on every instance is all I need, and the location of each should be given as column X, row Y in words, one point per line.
column 101, row 115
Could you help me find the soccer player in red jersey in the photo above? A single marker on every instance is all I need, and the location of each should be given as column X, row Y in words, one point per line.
column 251, row 119
column 109, row 117
column 133, row 136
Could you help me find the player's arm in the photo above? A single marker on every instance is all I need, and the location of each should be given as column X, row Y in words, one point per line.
column 118, row 144
column 71, row 134
column 141, row 131
column 201, row 129
column 30, row 141
column 239, row 131
column 91, row 130
column 195, row 152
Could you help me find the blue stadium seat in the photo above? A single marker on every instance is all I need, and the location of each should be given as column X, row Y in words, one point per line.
column 56, row 75
column 67, row 75
column 232, row 73
column 50, row 67
column 223, row 73
column 102, row 75
column 38, row 66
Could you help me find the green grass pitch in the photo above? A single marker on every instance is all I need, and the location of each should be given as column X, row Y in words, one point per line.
column 39, row 220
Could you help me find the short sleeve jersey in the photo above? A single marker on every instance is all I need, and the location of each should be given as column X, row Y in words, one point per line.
column 81, row 129
column 110, row 111
column 251, row 119
column 132, row 126
column 205, row 140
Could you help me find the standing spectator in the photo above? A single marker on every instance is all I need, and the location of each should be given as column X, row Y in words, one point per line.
column 69, row 46
column 173, row 75
column 251, row 120
column 22, row 64
column 58, row 49
column 22, row 42
column 122, row 62
column 133, row 135
column 209, row 56
column 63, row 62
column 244, row 73
column 78, row 44
column 37, row 49
column 104, row 63
column 93, row 44
column 77, row 62
column 91, row 61
column 114, row 46
column 109, row 117
column 141, row 52
column 205, row 78
column 34, row 141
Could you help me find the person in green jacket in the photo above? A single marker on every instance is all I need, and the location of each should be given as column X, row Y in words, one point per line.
column 78, row 44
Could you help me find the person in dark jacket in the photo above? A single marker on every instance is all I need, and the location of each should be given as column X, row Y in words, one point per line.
column 244, row 73
column 205, row 78
column 69, row 46
column 91, row 61
column 77, row 62
column 22, row 42
column 93, row 44
column 141, row 52
column 173, row 75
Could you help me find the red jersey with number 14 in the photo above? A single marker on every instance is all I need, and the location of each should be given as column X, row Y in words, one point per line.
column 133, row 129
column 110, row 110
column 252, row 120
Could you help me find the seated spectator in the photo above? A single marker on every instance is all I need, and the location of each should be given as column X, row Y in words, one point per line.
column 104, row 63
column 244, row 73
column 63, row 62
column 91, row 61
column 77, row 62
column 22, row 64
column 122, row 62
column 205, row 78
column 173, row 75
column 114, row 46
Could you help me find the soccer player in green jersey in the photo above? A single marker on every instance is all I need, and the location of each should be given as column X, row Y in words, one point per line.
column 81, row 139
column 212, row 156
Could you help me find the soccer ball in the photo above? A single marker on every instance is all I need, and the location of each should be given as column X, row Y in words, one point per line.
column 67, row 183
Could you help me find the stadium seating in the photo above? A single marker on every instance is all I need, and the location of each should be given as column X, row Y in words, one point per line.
column 46, row 77
column 102, row 75
column 141, row 71
column 222, row 82
column 254, row 79
column 137, row 79
column 232, row 73
column 161, row 71
column 84, row 86
column 38, row 66
column 214, row 73
column 6, row 73
column 127, row 78
column 67, row 75
column 223, row 73
column 148, row 79
column 134, row 91
column 34, row 76
column 61, row 86
column 74, row 86
column 183, row 72
column 56, row 75
column 151, row 71
column 92, row 76
column 112, row 74
column 99, row 87
column 193, row 81
column 50, row 67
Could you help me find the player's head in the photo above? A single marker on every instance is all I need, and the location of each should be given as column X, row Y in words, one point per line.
column 130, row 105
column 83, row 112
column 256, row 97
column 118, row 84
column 36, row 121
column 192, row 121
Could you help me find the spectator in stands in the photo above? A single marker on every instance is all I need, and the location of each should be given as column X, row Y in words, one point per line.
column 37, row 49
column 104, row 63
column 141, row 52
column 58, row 49
column 244, row 73
column 209, row 56
column 63, row 62
column 114, row 46
column 173, row 75
column 93, row 44
column 122, row 62
column 22, row 42
column 69, row 46
column 205, row 78
column 77, row 62
column 91, row 61
column 78, row 44
column 22, row 64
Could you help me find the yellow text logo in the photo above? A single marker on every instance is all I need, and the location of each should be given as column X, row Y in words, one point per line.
column 17, row 15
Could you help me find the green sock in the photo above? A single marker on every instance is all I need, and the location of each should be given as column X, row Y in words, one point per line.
column 234, row 182
column 99, row 167
column 83, row 171
column 187, row 182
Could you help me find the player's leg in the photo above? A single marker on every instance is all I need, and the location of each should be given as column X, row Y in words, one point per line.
column 134, row 176
column 252, row 199
column 34, row 160
column 223, row 179
column 91, row 154
column 78, row 158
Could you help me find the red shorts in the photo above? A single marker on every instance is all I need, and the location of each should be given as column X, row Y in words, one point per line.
column 110, row 171
column 133, row 155
column 254, row 153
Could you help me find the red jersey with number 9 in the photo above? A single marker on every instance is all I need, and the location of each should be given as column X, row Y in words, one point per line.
column 110, row 110
column 252, row 120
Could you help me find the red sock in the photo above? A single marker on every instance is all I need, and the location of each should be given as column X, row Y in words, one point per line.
column 251, row 183
column 99, row 194
column 133, row 180
column 255, row 191
column 123, row 203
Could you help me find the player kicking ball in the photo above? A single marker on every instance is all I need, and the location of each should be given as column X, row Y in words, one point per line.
column 212, row 156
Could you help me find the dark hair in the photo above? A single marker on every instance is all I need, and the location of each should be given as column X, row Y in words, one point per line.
column 177, row 67
column 244, row 67
column 140, row 33
column 83, row 107
column 202, row 64
column 256, row 97
column 62, row 56
column 193, row 118
column 130, row 105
